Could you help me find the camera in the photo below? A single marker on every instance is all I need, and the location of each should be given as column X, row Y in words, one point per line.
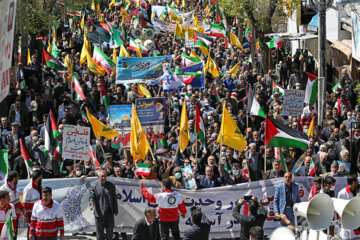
column 247, row 198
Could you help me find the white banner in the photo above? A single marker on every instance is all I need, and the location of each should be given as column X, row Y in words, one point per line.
column 216, row 203
column 76, row 142
column 7, row 26
column 293, row 102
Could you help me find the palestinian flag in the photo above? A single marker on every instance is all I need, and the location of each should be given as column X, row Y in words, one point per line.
column 202, row 43
column 26, row 157
column 133, row 46
column 247, row 33
column 143, row 169
column 199, row 129
column 79, row 94
column 20, row 85
column 189, row 61
column 283, row 164
column 58, row 150
column 277, row 86
column 216, row 31
column 51, row 132
column 7, row 229
column 312, row 168
column 103, row 60
column 216, row 94
column 155, row 145
column 280, row 135
column 84, row 117
column 245, row 174
column 187, row 98
column 105, row 99
column 192, row 75
column 253, row 106
column 311, row 89
column 52, row 62
column 3, row 164
column 336, row 86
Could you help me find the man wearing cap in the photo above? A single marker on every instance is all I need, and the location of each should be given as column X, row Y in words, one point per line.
column 108, row 164
column 46, row 218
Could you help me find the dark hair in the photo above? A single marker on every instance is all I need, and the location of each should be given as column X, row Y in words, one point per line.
column 196, row 216
column 318, row 180
column 329, row 180
column 11, row 176
column 3, row 194
column 257, row 233
column 46, row 190
column 351, row 178
column 167, row 183
column 253, row 207
column 36, row 174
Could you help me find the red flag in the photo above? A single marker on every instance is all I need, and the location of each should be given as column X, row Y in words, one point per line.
column 197, row 118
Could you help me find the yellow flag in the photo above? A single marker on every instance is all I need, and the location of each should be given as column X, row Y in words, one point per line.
column 196, row 22
column 68, row 63
column 235, row 41
column 85, row 49
column 101, row 130
column 179, row 31
column 234, row 69
column 174, row 17
column 98, row 9
column 143, row 91
column 191, row 33
column 310, row 132
column 138, row 50
column 230, row 133
column 139, row 145
column 28, row 57
column 123, row 52
column 93, row 66
column 184, row 129
column 183, row 4
column 192, row 54
column 49, row 48
column 125, row 14
column 162, row 17
column 114, row 58
column 211, row 67
column 93, row 6
column 70, row 43
column 112, row 4
column 82, row 23
column 207, row 10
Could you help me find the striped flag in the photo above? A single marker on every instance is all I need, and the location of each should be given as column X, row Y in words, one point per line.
column 79, row 94
column 311, row 89
column 312, row 168
column 216, row 94
column 199, row 129
column 103, row 60
column 26, row 157
column 51, row 132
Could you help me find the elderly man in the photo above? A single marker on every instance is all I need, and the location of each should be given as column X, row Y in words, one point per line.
column 275, row 172
column 209, row 180
column 323, row 166
column 147, row 228
column 307, row 169
column 253, row 157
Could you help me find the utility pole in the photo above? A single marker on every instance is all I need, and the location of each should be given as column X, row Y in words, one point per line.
column 321, row 6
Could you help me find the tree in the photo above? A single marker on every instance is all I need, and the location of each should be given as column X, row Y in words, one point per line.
column 263, row 16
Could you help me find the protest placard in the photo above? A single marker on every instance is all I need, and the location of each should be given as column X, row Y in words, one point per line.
column 76, row 142
column 293, row 102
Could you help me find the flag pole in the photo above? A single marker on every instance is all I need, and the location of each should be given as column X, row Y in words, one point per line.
column 247, row 120
column 151, row 151
column 269, row 57
column 222, row 131
column 265, row 160
column 196, row 147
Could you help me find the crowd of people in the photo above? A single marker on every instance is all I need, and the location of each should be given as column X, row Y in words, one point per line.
column 333, row 147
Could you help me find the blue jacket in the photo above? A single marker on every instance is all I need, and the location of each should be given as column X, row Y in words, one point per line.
column 280, row 197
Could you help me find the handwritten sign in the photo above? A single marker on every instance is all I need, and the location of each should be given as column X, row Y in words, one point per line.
column 293, row 102
column 76, row 142
column 7, row 26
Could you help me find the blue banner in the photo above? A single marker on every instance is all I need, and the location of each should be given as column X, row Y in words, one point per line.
column 134, row 69
column 151, row 112
column 192, row 80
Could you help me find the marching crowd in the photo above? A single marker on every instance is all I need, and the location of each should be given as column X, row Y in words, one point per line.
column 334, row 146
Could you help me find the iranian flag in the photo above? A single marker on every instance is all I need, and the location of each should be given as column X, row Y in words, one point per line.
column 7, row 230
column 312, row 168
column 3, row 163
column 301, row 57
column 278, row 134
column 216, row 94
column 247, row 33
column 216, row 31
column 275, row 42
column 189, row 61
column 311, row 89
column 84, row 117
column 199, row 125
column 93, row 157
column 133, row 46
column 103, row 60
column 143, row 169
column 105, row 99
column 277, row 86
column 336, row 86
column 20, row 85
column 79, row 94
column 26, row 157
column 52, row 62
column 187, row 98
column 58, row 150
column 51, row 132
column 245, row 174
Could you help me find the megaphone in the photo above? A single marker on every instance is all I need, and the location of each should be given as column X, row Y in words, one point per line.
column 136, row 33
column 311, row 234
column 282, row 233
column 349, row 212
column 319, row 212
column 149, row 33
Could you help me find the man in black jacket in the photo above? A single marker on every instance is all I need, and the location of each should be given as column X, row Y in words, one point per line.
column 201, row 226
column 256, row 216
column 147, row 228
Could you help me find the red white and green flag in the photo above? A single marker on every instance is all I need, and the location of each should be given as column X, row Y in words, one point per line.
column 51, row 132
column 301, row 57
column 58, row 150
column 103, row 60
column 312, row 168
column 94, row 159
column 133, row 45
column 247, row 33
column 245, row 174
column 278, row 134
column 84, row 117
column 7, row 229
column 79, row 94
column 275, row 42
column 254, row 107
column 26, row 157
column 20, row 85
column 3, row 163
column 143, row 169
column 189, row 61
column 277, row 86
column 187, row 98
column 52, row 62
column 199, row 125
column 216, row 31
column 105, row 99
column 283, row 166
column 311, row 89
column 336, row 87
column 201, row 41
column 216, row 94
